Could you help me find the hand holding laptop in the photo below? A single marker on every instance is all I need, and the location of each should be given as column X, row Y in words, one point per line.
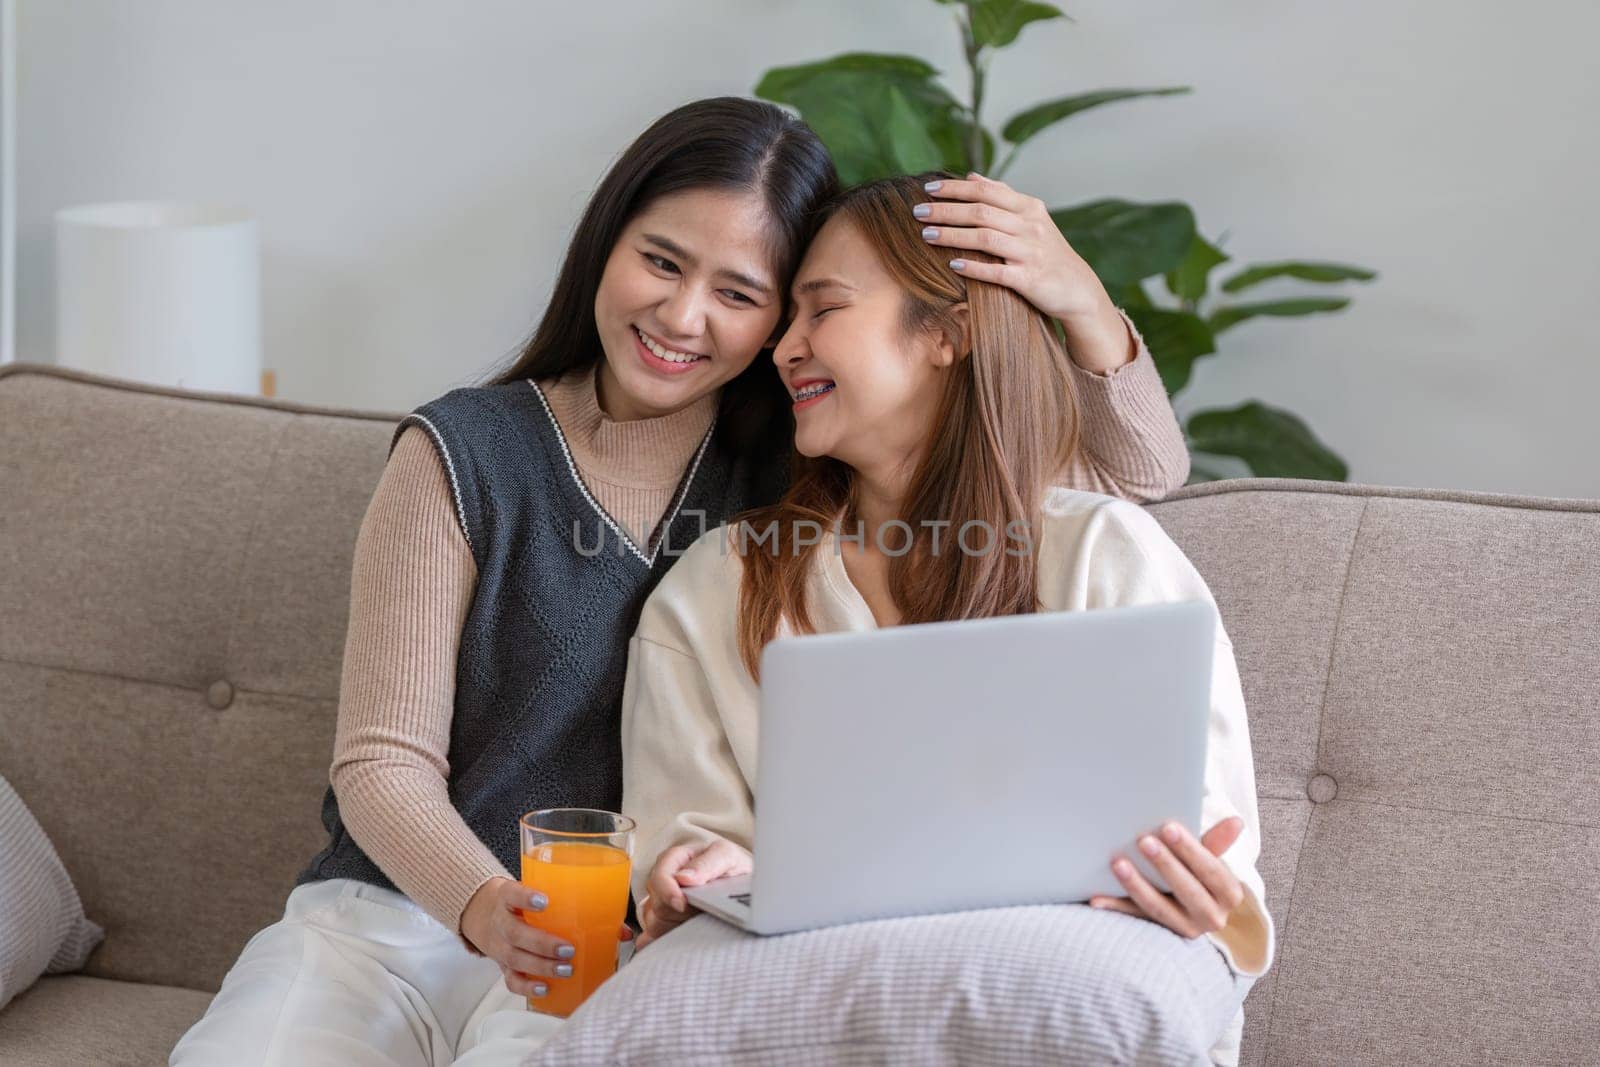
column 1206, row 891
column 665, row 906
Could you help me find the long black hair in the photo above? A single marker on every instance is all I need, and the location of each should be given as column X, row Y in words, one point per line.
column 724, row 142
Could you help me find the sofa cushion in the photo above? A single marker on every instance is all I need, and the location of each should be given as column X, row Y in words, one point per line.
column 42, row 925
column 71, row 1020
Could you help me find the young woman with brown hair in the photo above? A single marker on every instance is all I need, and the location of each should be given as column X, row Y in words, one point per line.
column 926, row 405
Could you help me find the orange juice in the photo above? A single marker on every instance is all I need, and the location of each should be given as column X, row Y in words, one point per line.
column 587, row 886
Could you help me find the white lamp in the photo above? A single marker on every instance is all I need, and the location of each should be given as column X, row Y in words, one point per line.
column 164, row 293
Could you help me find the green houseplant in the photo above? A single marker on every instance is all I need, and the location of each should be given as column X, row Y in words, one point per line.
column 888, row 114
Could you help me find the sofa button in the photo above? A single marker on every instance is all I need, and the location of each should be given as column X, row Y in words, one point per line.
column 220, row 695
column 1322, row 789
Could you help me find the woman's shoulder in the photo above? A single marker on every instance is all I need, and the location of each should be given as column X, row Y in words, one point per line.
column 711, row 558
column 1082, row 512
column 695, row 603
column 475, row 423
column 471, row 401
column 1110, row 529
column 1113, row 549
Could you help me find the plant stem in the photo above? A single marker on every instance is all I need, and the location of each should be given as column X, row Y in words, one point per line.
column 975, row 66
column 1005, row 164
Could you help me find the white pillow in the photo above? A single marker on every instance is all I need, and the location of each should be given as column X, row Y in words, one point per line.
column 42, row 925
column 1053, row 985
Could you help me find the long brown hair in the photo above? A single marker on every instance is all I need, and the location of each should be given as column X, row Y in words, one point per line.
column 1007, row 423
column 723, row 142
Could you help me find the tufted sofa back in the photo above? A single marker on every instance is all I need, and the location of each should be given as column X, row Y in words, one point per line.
column 174, row 586
column 1422, row 674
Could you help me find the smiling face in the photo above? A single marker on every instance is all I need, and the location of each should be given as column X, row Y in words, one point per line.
column 866, row 382
column 687, row 301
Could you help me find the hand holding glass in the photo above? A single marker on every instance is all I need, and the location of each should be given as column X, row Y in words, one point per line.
column 581, row 860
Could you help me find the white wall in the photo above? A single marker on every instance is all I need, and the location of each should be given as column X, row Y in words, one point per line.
column 417, row 169
column 8, row 180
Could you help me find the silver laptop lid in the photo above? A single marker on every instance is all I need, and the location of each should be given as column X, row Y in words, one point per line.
column 984, row 763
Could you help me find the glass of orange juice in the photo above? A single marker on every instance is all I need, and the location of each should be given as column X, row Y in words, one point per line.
column 580, row 859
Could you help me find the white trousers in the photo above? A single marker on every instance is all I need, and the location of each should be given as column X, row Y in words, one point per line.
column 359, row 975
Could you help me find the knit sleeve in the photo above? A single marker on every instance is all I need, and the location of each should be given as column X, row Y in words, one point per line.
column 1130, row 444
column 688, row 713
column 681, row 783
column 411, row 586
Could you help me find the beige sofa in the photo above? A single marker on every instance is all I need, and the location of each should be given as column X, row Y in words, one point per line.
column 1422, row 670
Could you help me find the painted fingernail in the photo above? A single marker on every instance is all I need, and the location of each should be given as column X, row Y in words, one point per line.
column 1122, row 867
column 1148, row 846
column 929, row 232
column 538, row 902
column 1169, row 833
column 540, row 990
column 922, row 211
column 563, row 970
column 958, row 264
column 566, row 952
column 933, row 187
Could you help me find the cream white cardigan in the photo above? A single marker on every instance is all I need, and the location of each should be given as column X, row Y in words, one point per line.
column 690, row 709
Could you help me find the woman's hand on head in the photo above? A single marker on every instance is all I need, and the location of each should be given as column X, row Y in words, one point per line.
column 528, row 958
column 665, row 907
column 990, row 216
column 1205, row 890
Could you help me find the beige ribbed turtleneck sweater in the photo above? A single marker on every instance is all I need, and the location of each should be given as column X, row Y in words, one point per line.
column 413, row 580
column 631, row 468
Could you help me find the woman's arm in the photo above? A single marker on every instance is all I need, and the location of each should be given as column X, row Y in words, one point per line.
column 680, row 781
column 689, row 725
column 411, row 585
column 1130, row 443
column 1135, row 562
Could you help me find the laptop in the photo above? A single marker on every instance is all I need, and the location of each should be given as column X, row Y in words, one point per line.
column 956, row 765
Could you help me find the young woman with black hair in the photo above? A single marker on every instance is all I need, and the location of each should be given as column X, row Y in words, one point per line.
column 516, row 532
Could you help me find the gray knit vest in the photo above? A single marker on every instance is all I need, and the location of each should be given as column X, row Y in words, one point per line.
column 537, row 720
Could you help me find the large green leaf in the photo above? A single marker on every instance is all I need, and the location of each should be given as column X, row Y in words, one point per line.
column 910, row 146
column 782, row 80
column 1175, row 339
column 850, row 101
column 996, row 23
column 1188, row 282
column 1126, row 242
column 981, row 166
column 1227, row 317
column 1306, row 272
column 1025, row 124
column 1131, row 295
column 1274, row 443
